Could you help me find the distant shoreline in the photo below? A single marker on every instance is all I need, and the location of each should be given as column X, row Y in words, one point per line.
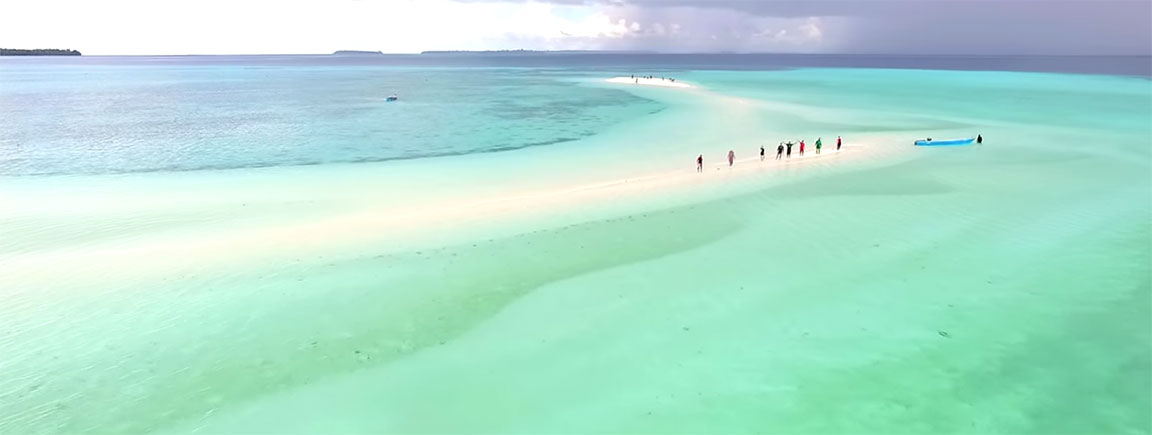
column 37, row 52
column 357, row 53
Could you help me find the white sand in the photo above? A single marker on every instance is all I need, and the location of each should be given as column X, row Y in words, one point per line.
column 399, row 223
column 415, row 223
column 649, row 82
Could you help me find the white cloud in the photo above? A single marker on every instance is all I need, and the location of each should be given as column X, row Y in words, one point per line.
column 285, row 26
column 812, row 30
column 398, row 26
column 697, row 29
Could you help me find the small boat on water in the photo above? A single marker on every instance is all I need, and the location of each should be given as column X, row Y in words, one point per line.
column 392, row 98
column 944, row 142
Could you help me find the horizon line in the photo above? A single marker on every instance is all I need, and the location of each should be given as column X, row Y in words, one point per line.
column 369, row 53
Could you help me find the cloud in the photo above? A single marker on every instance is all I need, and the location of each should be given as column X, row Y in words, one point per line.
column 900, row 26
column 820, row 26
column 696, row 29
column 613, row 25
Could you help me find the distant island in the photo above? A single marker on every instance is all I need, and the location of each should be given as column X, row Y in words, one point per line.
column 38, row 52
column 357, row 53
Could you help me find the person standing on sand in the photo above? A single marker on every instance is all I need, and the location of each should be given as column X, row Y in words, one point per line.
column 837, row 143
column 789, row 149
column 700, row 163
column 761, row 153
column 818, row 145
column 779, row 150
column 801, row 146
column 731, row 157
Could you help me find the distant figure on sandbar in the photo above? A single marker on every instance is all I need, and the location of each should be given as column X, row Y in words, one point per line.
column 700, row 163
column 761, row 153
column 801, row 146
column 837, row 143
column 779, row 150
column 818, row 145
column 789, row 145
column 979, row 139
column 731, row 157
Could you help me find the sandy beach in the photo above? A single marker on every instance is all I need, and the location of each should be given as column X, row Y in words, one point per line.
column 657, row 81
column 412, row 223
column 447, row 220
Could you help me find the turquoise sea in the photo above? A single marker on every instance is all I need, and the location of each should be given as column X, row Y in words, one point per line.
column 264, row 244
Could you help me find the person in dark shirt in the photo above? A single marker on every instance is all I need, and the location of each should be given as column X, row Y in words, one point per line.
column 700, row 163
column 789, row 153
column 761, row 153
column 779, row 150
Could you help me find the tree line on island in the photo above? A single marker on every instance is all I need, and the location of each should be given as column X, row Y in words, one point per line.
column 37, row 52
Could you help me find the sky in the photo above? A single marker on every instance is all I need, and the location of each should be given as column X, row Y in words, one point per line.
column 139, row 27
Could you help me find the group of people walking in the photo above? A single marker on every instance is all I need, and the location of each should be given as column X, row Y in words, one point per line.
column 784, row 150
column 637, row 79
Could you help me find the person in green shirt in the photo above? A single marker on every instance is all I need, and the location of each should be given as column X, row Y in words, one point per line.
column 817, row 145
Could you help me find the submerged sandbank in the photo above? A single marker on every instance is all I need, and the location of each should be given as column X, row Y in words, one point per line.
column 603, row 285
column 406, row 226
column 602, row 180
column 270, row 238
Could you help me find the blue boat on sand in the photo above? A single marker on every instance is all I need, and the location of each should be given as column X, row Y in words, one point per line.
column 944, row 142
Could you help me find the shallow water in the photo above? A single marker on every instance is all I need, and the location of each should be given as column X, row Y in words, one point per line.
column 91, row 119
column 994, row 288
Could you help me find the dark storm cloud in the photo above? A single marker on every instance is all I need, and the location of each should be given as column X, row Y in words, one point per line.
column 891, row 26
column 1031, row 27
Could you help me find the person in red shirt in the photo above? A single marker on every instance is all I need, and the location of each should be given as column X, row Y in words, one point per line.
column 801, row 146
column 731, row 156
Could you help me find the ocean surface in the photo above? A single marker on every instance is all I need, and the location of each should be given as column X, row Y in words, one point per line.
column 264, row 244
